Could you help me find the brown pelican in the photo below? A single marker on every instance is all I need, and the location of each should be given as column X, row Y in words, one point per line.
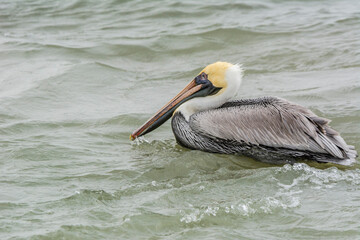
column 269, row 129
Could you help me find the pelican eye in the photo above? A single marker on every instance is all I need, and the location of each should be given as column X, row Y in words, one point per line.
column 202, row 78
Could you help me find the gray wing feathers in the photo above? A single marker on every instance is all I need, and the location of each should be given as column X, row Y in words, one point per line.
column 272, row 122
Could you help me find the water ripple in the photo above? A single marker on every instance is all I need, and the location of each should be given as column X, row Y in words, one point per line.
column 78, row 77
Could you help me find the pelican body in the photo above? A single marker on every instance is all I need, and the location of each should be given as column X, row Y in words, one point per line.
column 268, row 129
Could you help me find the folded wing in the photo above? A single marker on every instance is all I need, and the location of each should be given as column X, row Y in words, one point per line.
column 272, row 122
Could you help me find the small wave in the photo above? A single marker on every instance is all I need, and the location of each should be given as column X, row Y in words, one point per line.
column 231, row 34
column 107, row 65
column 88, row 196
column 56, row 27
column 125, row 49
column 26, row 125
column 349, row 20
column 316, row 178
column 36, row 8
column 234, row 6
column 266, row 205
column 9, row 205
column 174, row 14
column 15, row 84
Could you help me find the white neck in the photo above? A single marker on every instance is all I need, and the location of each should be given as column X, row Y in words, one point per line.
column 233, row 78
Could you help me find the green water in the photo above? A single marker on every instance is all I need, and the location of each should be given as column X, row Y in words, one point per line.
column 77, row 77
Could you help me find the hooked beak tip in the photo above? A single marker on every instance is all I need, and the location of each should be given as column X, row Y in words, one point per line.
column 132, row 138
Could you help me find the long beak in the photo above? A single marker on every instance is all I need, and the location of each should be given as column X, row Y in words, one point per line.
column 165, row 112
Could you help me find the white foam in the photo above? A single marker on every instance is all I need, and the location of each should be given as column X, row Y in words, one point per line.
column 318, row 177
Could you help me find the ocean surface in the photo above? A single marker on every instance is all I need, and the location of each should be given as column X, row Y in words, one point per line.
column 77, row 77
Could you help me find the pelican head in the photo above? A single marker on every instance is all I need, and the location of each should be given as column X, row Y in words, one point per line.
column 212, row 87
